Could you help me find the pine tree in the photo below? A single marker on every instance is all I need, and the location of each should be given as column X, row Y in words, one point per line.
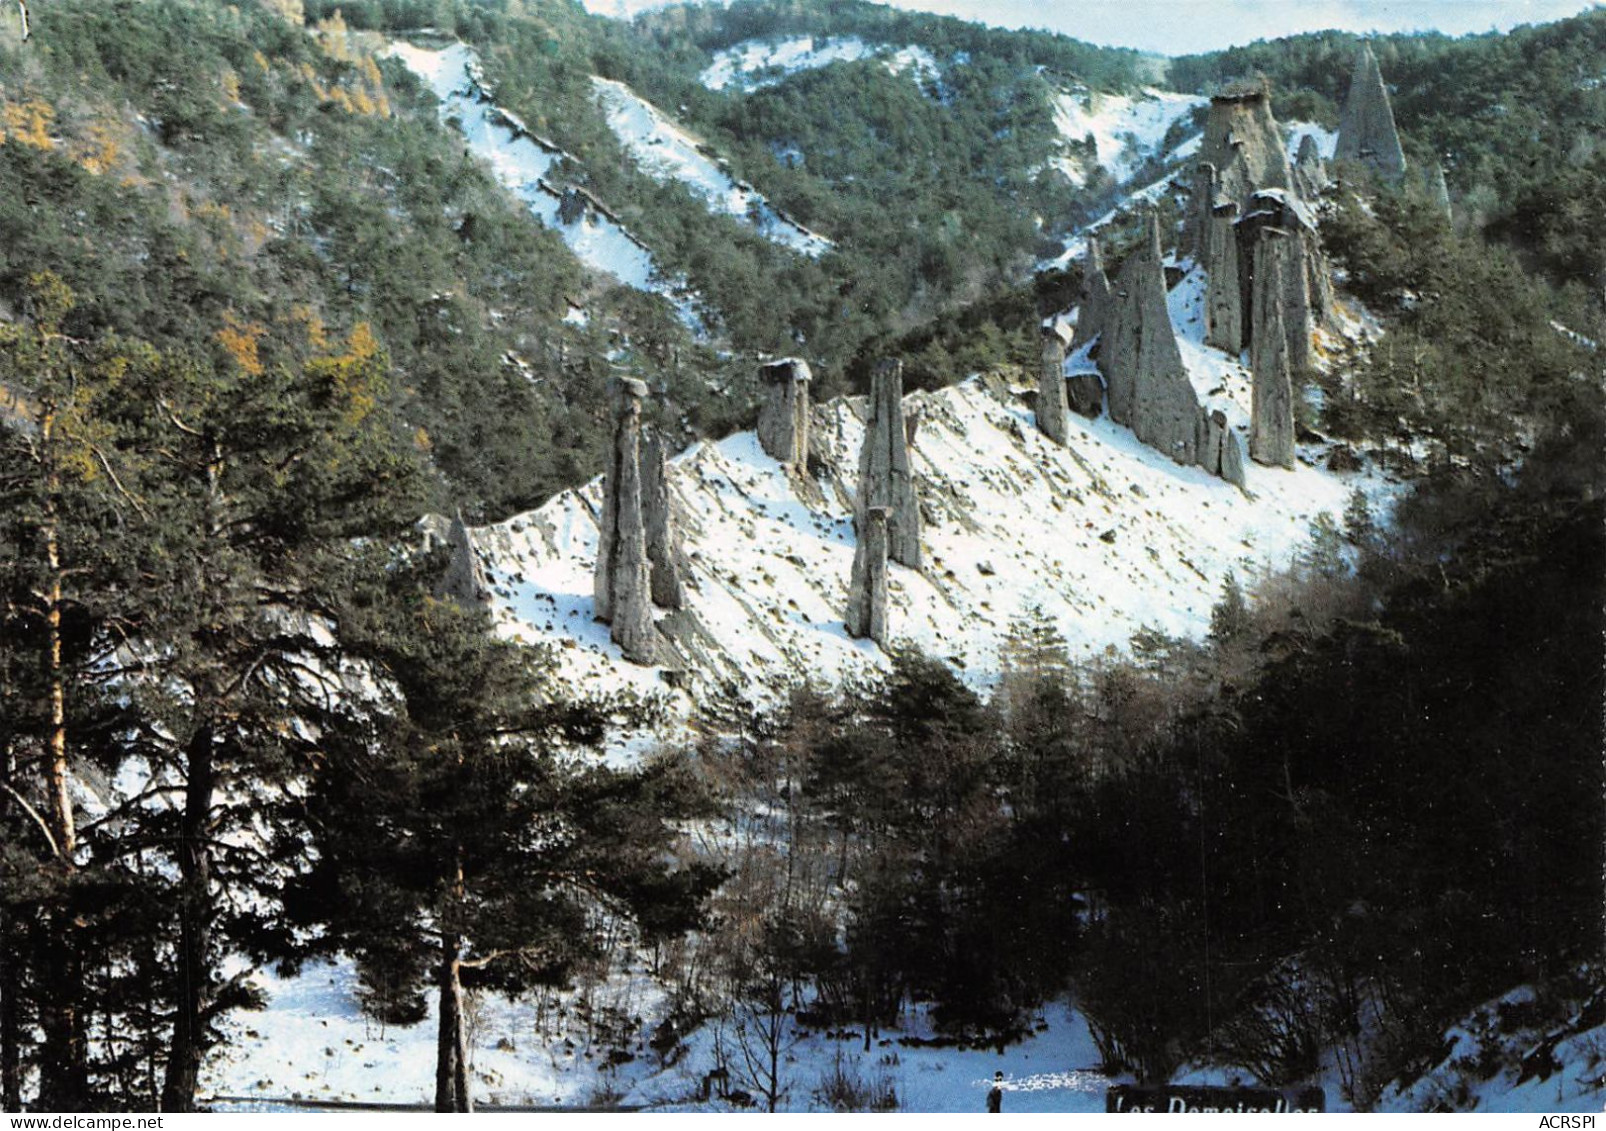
column 460, row 839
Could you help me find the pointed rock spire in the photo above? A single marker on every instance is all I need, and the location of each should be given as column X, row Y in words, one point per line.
column 1310, row 171
column 620, row 589
column 1149, row 389
column 1052, row 406
column 1095, row 304
column 867, row 587
column 783, row 416
column 464, row 581
column 884, row 476
column 1366, row 132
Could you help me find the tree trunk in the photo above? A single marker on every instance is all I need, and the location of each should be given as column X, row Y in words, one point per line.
column 451, row 1046
column 10, row 981
column 189, row 1041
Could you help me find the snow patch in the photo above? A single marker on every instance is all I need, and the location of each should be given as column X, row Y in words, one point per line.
column 667, row 152
column 1126, row 130
column 755, row 65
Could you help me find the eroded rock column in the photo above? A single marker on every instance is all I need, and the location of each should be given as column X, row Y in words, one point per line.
column 867, row 587
column 464, row 581
column 1224, row 321
column 1093, row 309
column 1366, row 132
column 783, row 416
column 621, row 589
column 1051, row 403
column 1271, row 415
column 665, row 559
column 884, row 476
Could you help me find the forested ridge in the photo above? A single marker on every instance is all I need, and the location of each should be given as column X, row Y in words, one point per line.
column 260, row 312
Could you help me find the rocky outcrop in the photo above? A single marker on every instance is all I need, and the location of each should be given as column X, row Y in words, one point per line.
column 1093, row 309
column 1438, row 190
column 1221, row 452
column 1301, row 289
column 1366, row 132
column 666, row 561
column 621, row 588
column 464, row 580
column 1242, row 144
column 1271, row 415
column 1084, row 392
column 1052, row 406
column 1310, row 171
column 1224, row 318
column 867, row 587
column 884, row 476
column 1201, row 203
column 1148, row 386
column 783, row 415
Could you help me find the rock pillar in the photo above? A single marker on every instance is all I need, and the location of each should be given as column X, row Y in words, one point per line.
column 665, row 559
column 620, row 587
column 1093, row 310
column 884, row 476
column 1224, row 319
column 1271, row 414
column 867, row 588
column 1051, row 403
column 1148, row 386
column 783, row 416
column 1310, row 171
column 1366, row 132
column 1242, row 143
column 464, row 581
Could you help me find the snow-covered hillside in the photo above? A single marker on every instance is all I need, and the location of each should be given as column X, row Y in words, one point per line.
column 522, row 162
column 1125, row 130
column 761, row 63
column 667, row 152
column 1106, row 536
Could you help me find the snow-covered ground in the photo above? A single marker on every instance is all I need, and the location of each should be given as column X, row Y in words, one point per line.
column 760, row 63
column 591, row 1047
column 314, row 1044
column 1126, row 130
column 1106, row 536
column 667, row 152
column 522, row 163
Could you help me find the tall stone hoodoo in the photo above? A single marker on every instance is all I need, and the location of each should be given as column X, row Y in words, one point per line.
column 1149, row 389
column 464, row 581
column 1224, row 320
column 1302, row 291
column 867, row 588
column 884, row 476
column 783, row 415
column 1242, row 144
column 1366, row 132
column 1095, row 303
column 1271, row 416
column 1052, row 406
column 621, row 589
column 665, row 559
column 1310, row 171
